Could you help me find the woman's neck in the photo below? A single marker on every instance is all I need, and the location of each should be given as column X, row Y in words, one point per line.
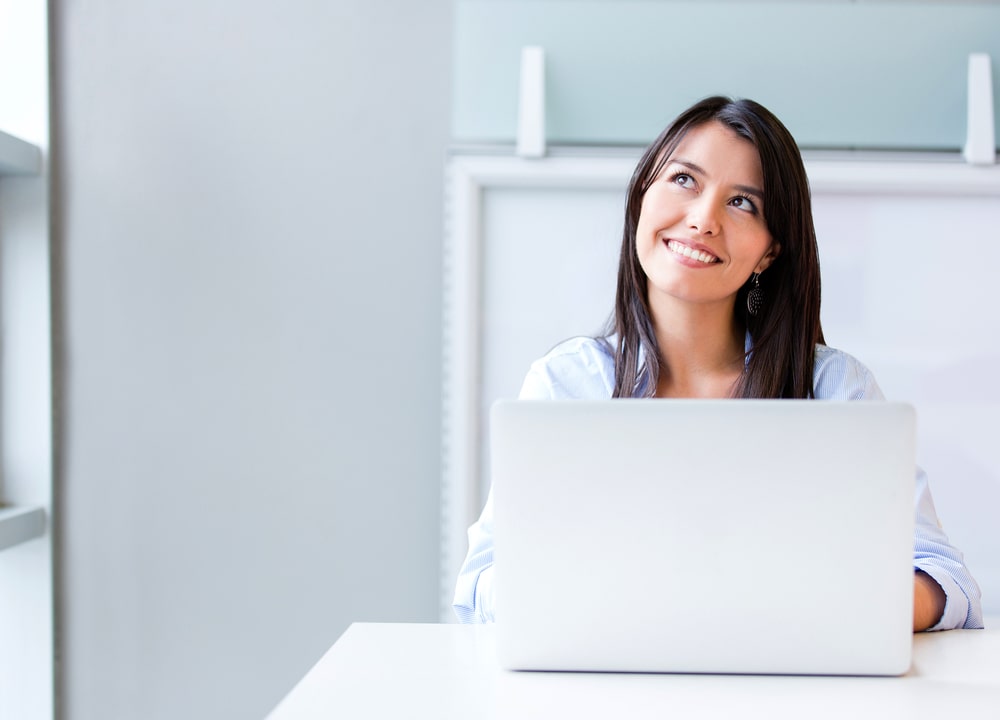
column 702, row 350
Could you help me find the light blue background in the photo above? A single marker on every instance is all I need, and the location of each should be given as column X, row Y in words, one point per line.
column 867, row 75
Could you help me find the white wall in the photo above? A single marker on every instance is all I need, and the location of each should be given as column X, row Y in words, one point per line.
column 248, row 252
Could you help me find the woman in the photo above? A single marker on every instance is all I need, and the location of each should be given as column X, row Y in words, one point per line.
column 718, row 297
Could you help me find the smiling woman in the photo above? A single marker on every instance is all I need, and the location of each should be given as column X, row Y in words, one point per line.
column 705, row 216
column 718, row 296
column 696, row 186
column 699, row 238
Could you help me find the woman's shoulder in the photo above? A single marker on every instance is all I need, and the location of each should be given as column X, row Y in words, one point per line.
column 582, row 348
column 580, row 367
column 838, row 375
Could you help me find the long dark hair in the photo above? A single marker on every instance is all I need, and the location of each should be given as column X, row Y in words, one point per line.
column 786, row 330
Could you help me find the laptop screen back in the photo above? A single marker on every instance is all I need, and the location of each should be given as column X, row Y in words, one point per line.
column 720, row 536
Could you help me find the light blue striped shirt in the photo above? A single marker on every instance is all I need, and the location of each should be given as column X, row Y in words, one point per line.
column 583, row 368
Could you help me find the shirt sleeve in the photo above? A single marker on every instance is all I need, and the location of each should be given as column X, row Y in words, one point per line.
column 840, row 376
column 936, row 556
column 473, row 601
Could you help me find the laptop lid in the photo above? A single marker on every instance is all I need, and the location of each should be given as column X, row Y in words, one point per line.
column 713, row 536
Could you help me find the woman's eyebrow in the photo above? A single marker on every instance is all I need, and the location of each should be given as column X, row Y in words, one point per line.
column 689, row 165
column 749, row 189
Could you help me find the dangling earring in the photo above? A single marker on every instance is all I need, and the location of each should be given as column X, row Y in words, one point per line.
column 755, row 297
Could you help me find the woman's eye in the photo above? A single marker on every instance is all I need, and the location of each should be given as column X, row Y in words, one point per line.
column 684, row 180
column 743, row 203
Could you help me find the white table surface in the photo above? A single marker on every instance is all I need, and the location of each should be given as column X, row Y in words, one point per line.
column 449, row 671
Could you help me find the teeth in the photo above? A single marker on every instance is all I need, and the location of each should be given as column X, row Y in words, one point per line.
column 691, row 253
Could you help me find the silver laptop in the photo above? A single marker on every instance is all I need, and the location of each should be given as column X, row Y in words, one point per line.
column 704, row 536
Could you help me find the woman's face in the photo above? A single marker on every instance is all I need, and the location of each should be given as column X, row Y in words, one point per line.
column 701, row 230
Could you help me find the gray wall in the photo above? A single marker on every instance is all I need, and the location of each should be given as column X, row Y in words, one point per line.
column 248, row 210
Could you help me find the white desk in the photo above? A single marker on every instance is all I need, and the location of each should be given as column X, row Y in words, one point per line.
column 449, row 671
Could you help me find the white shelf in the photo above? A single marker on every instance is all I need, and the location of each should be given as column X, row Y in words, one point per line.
column 18, row 157
column 20, row 524
column 900, row 174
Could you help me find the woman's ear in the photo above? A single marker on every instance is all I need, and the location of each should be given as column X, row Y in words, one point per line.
column 765, row 262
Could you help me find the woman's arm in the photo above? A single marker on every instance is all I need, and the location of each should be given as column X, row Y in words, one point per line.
column 940, row 567
column 928, row 601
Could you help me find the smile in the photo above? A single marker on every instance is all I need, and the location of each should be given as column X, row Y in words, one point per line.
column 688, row 252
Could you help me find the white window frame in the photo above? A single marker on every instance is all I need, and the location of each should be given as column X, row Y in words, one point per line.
column 27, row 604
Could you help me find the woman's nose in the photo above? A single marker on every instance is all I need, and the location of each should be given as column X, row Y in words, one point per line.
column 703, row 215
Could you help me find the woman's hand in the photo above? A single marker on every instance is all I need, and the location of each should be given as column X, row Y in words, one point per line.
column 928, row 601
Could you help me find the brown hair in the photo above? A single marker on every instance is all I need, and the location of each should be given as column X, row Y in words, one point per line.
column 785, row 332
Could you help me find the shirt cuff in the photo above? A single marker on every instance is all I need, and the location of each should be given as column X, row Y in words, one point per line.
column 956, row 604
column 484, row 595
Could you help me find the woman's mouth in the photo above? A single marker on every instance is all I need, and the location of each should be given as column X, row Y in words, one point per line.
column 689, row 252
